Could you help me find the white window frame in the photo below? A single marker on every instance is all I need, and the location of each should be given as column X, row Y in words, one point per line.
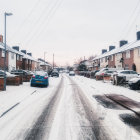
column 128, row 54
column 111, row 58
column 12, row 55
column 18, row 57
column 2, row 53
column 138, row 51
column 119, row 56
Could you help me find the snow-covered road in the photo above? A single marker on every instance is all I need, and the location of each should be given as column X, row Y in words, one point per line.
column 71, row 108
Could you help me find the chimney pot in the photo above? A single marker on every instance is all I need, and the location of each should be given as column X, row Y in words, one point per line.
column 123, row 42
column 16, row 48
column 111, row 48
column 23, row 51
column 104, row 51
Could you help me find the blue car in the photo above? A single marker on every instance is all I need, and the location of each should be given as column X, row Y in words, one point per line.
column 40, row 78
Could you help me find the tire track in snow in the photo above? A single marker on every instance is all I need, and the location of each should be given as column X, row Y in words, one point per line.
column 93, row 129
column 43, row 124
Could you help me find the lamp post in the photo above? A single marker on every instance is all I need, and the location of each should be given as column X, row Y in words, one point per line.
column 44, row 60
column 5, row 14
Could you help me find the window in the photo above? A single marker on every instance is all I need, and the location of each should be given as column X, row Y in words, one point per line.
column 18, row 57
column 3, row 53
column 126, row 67
column 125, row 72
column 133, row 72
column 139, row 51
column 119, row 56
column 111, row 58
column 128, row 54
column 102, row 60
column 12, row 55
column 106, row 59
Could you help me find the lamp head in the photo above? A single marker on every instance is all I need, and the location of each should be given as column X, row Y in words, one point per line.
column 8, row 14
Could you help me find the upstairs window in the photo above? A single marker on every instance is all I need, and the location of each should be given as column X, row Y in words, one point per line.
column 106, row 59
column 111, row 58
column 3, row 53
column 119, row 56
column 139, row 51
column 12, row 55
column 20, row 57
column 17, row 57
column 128, row 54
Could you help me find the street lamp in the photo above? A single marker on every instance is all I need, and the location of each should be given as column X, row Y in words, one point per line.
column 5, row 14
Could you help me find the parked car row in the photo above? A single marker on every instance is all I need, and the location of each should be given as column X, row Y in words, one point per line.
column 118, row 77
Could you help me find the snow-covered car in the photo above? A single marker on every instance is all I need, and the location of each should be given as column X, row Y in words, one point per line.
column 8, row 74
column 134, row 83
column 128, row 74
column 21, row 72
column 103, row 71
column 71, row 73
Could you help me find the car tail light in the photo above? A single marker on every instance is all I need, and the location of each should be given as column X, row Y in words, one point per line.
column 46, row 77
column 33, row 76
column 102, row 73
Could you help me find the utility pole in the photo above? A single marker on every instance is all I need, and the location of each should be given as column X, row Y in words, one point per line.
column 53, row 61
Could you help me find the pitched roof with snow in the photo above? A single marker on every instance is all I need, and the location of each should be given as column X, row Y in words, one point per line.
column 126, row 47
column 8, row 48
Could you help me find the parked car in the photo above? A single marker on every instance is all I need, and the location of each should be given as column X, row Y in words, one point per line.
column 54, row 74
column 99, row 75
column 21, row 72
column 93, row 73
column 71, row 73
column 129, row 74
column 40, row 78
column 8, row 74
column 134, row 83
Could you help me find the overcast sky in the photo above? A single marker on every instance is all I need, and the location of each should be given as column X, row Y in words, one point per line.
column 69, row 28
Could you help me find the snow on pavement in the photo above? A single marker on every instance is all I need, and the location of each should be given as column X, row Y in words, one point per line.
column 21, row 118
column 110, row 117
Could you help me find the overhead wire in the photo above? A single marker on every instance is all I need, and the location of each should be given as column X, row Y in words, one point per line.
column 38, row 20
column 130, row 22
column 45, row 22
column 18, row 30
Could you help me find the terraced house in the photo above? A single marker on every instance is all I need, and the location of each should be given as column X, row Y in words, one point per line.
column 16, row 59
column 126, row 56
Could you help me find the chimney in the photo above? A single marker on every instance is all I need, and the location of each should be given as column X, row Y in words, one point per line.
column 23, row 51
column 104, row 51
column 138, row 35
column 111, row 48
column 16, row 48
column 29, row 54
column 1, row 38
column 123, row 42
